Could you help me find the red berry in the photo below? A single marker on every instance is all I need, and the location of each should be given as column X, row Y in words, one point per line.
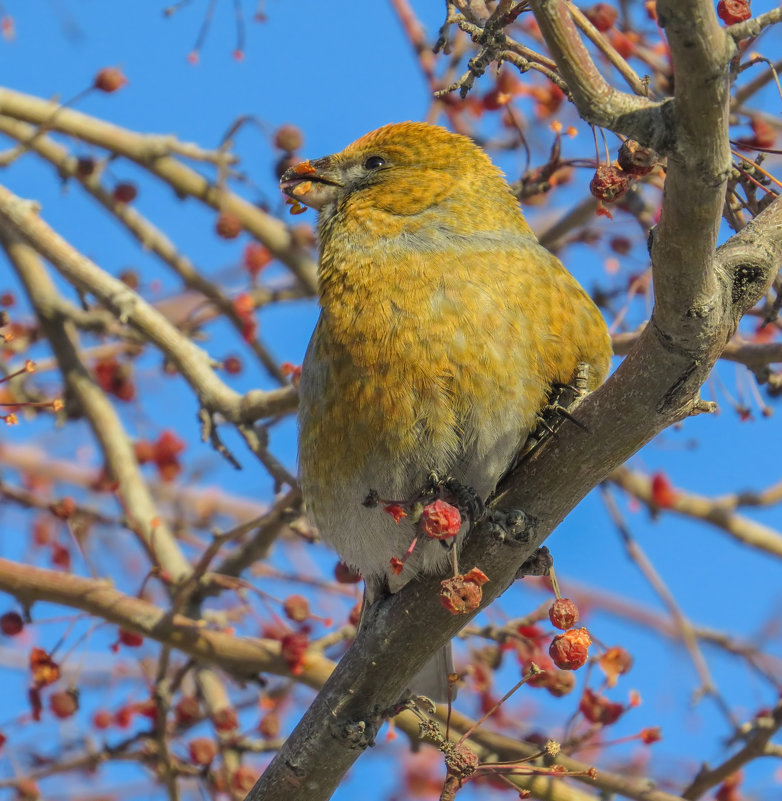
column 256, row 257
column 64, row 703
column 440, row 520
column 225, row 719
column 288, row 138
column 663, row 493
column 187, row 710
column 129, row 278
column 11, row 624
column 244, row 779
column 125, row 192
column 563, row 613
column 85, row 166
column 123, row 716
column 102, row 719
column 64, row 508
column 7, row 299
column 202, row 750
column 270, row 725
column 598, row 709
column 620, row 245
column 609, row 183
column 130, row 638
column 293, row 649
column 109, row 79
column 570, row 650
column 296, row 608
column 228, row 226
column 733, row 11
column 653, row 734
column 61, row 556
column 602, row 16
column 232, row 365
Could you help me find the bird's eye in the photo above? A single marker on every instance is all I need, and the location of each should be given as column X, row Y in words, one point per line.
column 374, row 162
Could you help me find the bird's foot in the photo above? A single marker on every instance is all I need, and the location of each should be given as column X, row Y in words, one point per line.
column 539, row 564
column 511, row 525
column 358, row 733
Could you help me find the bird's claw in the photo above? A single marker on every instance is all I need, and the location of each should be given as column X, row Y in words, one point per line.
column 538, row 564
column 512, row 525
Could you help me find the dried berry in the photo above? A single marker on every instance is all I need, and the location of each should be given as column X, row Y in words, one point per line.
column 85, row 166
column 202, row 750
column 598, row 709
column 187, row 710
column 244, row 779
column 125, row 192
column 228, row 226
column 663, row 493
column 269, row 725
column 225, row 719
column 570, row 650
column 293, row 649
column 256, row 257
column 11, row 624
column 110, row 79
column 602, row 16
column 44, row 669
column 462, row 594
column 232, row 365
column 64, row 704
column 609, row 183
column 615, row 662
column 733, row 11
column 296, row 608
column 635, row 159
column 563, row 613
column 288, row 138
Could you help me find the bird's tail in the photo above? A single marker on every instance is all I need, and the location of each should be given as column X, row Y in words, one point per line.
column 432, row 679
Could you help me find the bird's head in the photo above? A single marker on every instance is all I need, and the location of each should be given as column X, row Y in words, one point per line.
column 402, row 169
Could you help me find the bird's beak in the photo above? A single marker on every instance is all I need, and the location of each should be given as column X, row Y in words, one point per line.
column 314, row 183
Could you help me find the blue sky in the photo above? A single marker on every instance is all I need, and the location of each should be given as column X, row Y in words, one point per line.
column 337, row 70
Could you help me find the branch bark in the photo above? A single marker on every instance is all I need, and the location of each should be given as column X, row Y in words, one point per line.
column 698, row 307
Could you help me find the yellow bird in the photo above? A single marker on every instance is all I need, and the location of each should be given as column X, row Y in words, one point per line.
column 443, row 326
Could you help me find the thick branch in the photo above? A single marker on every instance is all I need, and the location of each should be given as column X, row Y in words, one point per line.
column 685, row 282
column 653, row 388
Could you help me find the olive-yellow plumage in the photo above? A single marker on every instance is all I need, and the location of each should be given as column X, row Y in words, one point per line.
column 443, row 326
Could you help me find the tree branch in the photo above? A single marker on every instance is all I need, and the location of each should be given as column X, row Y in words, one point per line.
column 127, row 305
column 185, row 181
column 597, row 101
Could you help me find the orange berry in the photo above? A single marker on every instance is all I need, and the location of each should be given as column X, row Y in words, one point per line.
column 570, row 650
